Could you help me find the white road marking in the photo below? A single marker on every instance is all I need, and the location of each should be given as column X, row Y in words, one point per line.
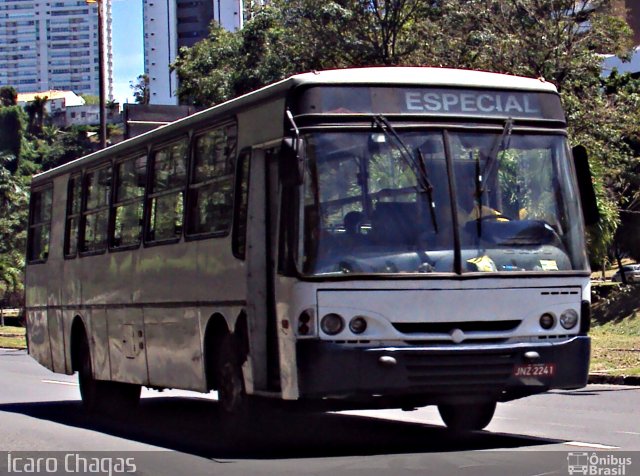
column 60, row 382
column 582, row 444
column 628, row 432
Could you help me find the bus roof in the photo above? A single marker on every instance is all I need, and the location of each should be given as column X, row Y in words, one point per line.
column 375, row 76
column 422, row 76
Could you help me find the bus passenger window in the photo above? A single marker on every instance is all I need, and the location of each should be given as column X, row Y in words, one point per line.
column 74, row 201
column 40, row 225
column 166, row 200
column 131, row 178
column 211, row 190
column 97, row 190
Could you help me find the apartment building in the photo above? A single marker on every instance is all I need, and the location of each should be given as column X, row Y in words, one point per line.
column 53, row 44
column 172, row 24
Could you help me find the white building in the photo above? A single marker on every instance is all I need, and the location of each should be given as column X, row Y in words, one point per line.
column 56, row 100
column 66, row 108
column 172, row 24
column 47, row 45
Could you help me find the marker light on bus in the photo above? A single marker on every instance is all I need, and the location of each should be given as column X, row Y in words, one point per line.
column 304, row 323
column 569, row 319
column 358, row 325
column 547, row 321
column 332, row 324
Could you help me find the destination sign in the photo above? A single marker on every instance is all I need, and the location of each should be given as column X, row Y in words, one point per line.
column 431, row 101
column 474, row 102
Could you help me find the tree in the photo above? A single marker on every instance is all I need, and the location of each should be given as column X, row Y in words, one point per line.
column 14, row 210
column 12, row 128
column 140, row 89
column 37, row 112
column 90, row 99
column 8, row 96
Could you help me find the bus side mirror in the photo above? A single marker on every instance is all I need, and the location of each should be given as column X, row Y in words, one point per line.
column 292, row 157
column 585, row 185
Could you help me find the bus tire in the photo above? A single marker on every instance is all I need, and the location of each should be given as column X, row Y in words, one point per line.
column 232, row 397
column 468, row 417
column 102, row 396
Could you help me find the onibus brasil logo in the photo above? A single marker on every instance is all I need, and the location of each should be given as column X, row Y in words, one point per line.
column 597, row 464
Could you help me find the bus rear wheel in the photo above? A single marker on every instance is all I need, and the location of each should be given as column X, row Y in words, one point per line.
column 101, row 396
column 467, row 417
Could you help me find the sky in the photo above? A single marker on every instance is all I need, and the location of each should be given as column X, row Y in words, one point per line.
column 128, row 50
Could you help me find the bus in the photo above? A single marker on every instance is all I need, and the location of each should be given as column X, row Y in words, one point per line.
column 359, row 238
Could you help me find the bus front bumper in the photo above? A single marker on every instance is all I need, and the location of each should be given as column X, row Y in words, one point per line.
column 429, row 375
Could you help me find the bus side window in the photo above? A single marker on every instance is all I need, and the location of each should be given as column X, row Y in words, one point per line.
column 166, row 198
column 239, row 237
column 97, row 193
column 74, row 202
column 130, row 183
column 40, row 225
column 211, row 190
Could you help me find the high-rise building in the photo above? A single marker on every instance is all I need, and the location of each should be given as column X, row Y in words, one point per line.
column 172, row 24
column 46, row 45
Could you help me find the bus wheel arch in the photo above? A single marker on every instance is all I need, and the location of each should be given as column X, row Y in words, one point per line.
column 214, row 335
column 98, row 395
column 78, row 332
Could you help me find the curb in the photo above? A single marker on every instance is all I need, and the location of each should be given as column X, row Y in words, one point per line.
column 614, row 379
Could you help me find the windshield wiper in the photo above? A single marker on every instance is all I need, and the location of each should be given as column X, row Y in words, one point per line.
column 416, row 165
column 481, row 177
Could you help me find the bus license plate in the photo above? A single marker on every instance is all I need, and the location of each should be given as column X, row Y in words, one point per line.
column 534, row 370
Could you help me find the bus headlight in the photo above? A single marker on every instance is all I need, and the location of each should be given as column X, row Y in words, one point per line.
column 332, row 324
column 358, row 325
column 547, row 321
column 569, row 319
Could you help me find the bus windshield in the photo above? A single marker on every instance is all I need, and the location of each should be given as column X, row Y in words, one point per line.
column 387, row 201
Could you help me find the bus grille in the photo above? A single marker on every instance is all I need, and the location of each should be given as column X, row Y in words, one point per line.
column 471, row 372
column 447, row 327
column 450, row 343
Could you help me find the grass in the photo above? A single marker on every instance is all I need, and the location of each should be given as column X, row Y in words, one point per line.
column 13, row 337
column 616, row 335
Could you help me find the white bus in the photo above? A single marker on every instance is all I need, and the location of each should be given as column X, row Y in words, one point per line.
column 359, row 238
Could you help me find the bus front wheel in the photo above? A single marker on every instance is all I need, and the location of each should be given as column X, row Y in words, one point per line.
column 101, row 396
column 467, row 417
column 232, row 397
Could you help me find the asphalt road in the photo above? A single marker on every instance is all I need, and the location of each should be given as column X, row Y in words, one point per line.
column 177, row 432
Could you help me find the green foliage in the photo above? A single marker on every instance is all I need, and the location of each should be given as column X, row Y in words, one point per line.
column 56, row 147
column 8, row 96
column 14, row 210
column 90, row 99
column 12, row 125
column 140, row 89
column 37, row 113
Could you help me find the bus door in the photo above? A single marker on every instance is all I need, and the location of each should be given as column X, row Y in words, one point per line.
column 261, row 250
